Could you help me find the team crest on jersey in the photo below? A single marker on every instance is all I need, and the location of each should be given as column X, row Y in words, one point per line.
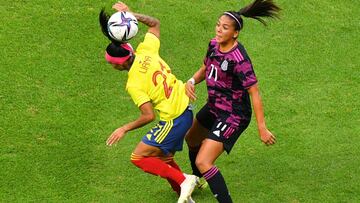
column 224, row 65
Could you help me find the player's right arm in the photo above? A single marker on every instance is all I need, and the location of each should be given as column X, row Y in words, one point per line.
column 198, row 77
column 151, row 22
column 147, row 115
column 265, row 135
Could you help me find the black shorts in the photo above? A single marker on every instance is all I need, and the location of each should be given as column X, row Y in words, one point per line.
column 220, row 130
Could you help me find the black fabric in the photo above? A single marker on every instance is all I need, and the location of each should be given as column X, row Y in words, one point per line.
column 219, row 189
column 115, row 50
column 205, row 117
column 230, row 141
column 210, row 122
column 192, row 157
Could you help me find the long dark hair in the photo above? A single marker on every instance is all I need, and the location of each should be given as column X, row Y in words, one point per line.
column 103, row 20
column 113, row 49
column 256, row 10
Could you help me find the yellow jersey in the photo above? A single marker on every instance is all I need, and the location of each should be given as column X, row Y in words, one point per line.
column 150, row 80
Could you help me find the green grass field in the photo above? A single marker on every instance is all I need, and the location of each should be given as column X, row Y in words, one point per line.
column 59, row 101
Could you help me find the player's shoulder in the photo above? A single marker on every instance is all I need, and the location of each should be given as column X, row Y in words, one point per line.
column 242, row 51
column 150, row 44
column 152, row 39
column 212, row 43
column 238, row 55
column 211, row 48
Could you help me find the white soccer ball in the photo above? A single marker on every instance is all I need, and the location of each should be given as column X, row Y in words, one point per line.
column 122, row 26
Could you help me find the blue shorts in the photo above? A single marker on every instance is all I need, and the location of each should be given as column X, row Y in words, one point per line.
column 169, row 135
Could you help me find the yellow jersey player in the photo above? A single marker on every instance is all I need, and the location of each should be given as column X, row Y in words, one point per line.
column 152, row 86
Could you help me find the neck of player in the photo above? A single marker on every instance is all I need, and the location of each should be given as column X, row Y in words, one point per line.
column 227, row 46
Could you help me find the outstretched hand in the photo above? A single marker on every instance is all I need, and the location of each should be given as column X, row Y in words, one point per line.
column 267, row 137
column 120, row 6
column 117, row 135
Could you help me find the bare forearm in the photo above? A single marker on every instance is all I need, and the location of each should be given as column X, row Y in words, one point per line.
column 259, row 112
column 141, row 121
column 151, row 22
column 147, row 20
column 199, row 76
column 258, row 107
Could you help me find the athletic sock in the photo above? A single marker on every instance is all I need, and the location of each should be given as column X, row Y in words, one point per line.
column 217, row 185
column 156, row 166
column 176, row 187
column 192, row 156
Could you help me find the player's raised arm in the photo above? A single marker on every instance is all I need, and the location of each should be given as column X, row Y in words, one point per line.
column 151, row 22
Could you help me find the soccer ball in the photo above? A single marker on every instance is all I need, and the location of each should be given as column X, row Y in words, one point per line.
column 122, row 26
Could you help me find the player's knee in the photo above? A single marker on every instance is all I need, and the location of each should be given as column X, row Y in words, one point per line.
column 136, row 160
column 133, row 162
column 141, row 164
column 203, row 165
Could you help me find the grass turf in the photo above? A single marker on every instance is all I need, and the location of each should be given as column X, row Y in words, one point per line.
column 60, row 100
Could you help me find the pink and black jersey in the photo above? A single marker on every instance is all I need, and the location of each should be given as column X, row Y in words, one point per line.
column 228, row 76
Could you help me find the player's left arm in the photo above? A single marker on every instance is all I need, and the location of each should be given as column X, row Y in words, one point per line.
column 265, row 135
column 147, row 115
column 151, row 22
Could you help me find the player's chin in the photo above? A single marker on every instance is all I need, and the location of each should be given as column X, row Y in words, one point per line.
column 218, row 39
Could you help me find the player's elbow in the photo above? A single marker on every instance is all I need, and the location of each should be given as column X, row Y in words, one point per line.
column 155, row 28
column 156, row 23
column 150, row 117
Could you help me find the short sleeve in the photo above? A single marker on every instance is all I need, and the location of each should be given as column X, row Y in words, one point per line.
column 151, row 44
column 245, row 72
column 138, row 96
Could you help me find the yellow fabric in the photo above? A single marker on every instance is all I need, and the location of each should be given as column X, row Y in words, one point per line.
column 164, row 132
column 150, row 80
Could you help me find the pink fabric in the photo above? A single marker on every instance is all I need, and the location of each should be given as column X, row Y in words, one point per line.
column 119, row 60
column 210, row 173
column 116, row 60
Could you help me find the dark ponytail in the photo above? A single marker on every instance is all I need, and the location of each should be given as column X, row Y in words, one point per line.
column 260, row 8
column 103, row 20
column 256, row 10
